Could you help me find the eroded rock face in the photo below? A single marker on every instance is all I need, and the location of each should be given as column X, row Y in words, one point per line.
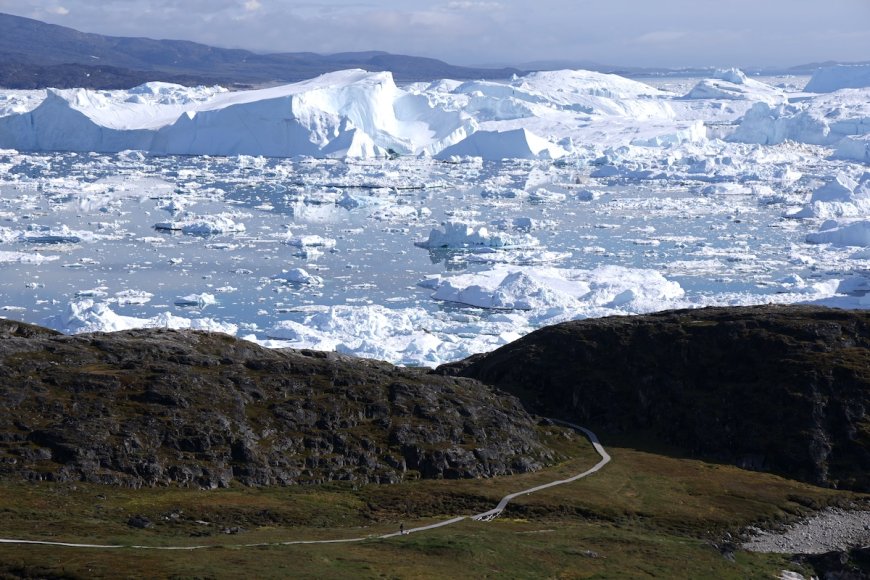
column 155, row 407
column 781, row 388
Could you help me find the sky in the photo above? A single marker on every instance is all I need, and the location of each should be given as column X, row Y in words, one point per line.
column 660, row 33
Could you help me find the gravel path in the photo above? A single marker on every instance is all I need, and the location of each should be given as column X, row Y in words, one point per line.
column 485, row 516
column 829, row 530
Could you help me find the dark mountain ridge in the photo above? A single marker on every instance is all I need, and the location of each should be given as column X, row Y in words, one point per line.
column 33, row 55
column 779, row 388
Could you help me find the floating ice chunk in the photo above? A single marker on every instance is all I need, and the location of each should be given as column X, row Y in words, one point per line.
column 840, row 188
column 92, row 293
column 310, row 241
column 8, row 235
column 372, row 331
column 462, row 235
column 733, row 84
column 732, row 75
column 133, row 297
column 542, row 195
column 855, row 148
column 175, row 205
column 514, row 290
column 586, row 195
column 502, row 193
column 431, row 282
column 24, row 258
column 559, row 290
column 823, row 120
column 840, row 197
column 352, row 201
column 842, row 76
column 202, row 225
column 693, row 132
column 205, row 324
column 89, row 316
column 509, row 144
column 518, row 257
column 605, row 171
column 853, row 234
column 521, row 224
column 198, row 300
column 727, row 189
column 301, row 277
column 36, row 234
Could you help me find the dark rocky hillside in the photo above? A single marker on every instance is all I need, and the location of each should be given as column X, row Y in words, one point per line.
column 780, row 388
column 35, row 54
column 155, row 407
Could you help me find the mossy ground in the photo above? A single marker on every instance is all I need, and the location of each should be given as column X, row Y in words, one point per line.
column 643, row 515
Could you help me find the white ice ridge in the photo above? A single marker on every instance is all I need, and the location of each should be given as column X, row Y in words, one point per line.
column 464, row 236
column 558, row 292
column 87, row 315
column 733, row 84
column 842, row 76
column 827, row 119
column 350, row 113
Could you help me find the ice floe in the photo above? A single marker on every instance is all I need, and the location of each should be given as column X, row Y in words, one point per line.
column 201, row 225
column 88, row 315
column 564, row 195
column 458, row 235
column 558, row 292
column 842, row 76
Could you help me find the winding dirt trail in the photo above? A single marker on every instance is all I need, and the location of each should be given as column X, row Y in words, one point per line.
column 481, row 517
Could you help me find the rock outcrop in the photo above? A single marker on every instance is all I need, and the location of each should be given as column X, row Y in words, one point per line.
column 779, row 388
column 165, row 407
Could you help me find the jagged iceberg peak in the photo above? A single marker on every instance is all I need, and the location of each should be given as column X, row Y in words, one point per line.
column 732, row 75
column 351, row 113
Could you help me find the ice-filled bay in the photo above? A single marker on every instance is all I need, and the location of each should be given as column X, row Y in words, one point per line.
column 632, row 199
column 326, row 253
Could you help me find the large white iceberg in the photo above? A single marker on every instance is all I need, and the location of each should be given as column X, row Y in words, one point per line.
column 351, row 114
column 823, row 120
column 850, row 234
column 733, row 84
column 348, row 113
column 842, row 76
column 559, row 292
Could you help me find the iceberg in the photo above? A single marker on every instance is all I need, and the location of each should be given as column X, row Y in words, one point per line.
column 842, row 76
column 512, row 144
column 463, row 236
column 350, row 113
column 733, row 84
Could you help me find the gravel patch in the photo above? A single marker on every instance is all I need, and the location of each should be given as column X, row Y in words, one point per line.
column 830, row 530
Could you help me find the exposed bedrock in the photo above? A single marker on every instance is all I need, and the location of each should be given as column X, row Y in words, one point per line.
column 779, row 388
column 159, row 407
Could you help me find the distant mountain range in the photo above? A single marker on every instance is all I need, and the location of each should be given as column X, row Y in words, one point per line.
column 35, row 54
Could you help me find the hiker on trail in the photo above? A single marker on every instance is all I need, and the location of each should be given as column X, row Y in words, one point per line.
column 401, row 528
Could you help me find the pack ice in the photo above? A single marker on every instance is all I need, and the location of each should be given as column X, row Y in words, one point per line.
column 423, row 223
column 350, row 113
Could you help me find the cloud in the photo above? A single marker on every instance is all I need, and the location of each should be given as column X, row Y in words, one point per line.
column 619, row 32
column 661, row 37
column 469, row 5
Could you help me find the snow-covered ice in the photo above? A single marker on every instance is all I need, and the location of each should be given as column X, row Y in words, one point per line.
column 426, row 222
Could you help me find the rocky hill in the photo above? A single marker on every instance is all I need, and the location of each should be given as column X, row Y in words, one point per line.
column 161, row 407
column 780, row 388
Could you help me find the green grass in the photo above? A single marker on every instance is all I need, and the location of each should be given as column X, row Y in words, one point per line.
column 642, row 516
